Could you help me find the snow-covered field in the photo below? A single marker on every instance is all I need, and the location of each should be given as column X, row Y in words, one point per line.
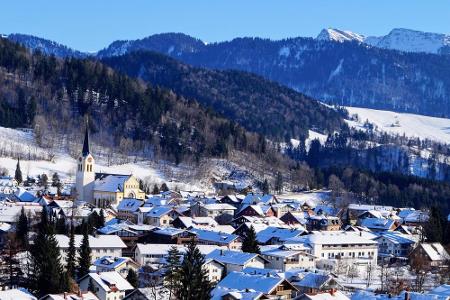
column 412, row 125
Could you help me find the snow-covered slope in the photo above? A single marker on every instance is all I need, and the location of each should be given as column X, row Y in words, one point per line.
column 412, row 41
column 401, row 39
column 336, row 35
column 423, row 127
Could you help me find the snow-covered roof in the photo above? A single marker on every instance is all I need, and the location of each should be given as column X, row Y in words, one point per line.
column 214, row 236
column 69, row 296
column 108, row 279
column 157, row 212
column 282, row 234
column 283, row 253
column 16, row 294
column 376, row 223
column 314, row 280
column 110, row 183
column 335, row 238
column 170, row 231
column 24, row 196
column 435, row 251
column 219, row 206
column 397, row 238
column 162, row 249
column 130, row 205
column 197, row 221
column 242, row 281
column 231, row 257
column 99, row 241
column 367, row 207
column 111, row 262
column 336, row 295
column 219, row 292
column 442, row 290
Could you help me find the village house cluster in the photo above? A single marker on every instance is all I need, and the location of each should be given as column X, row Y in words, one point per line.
column 309, row 247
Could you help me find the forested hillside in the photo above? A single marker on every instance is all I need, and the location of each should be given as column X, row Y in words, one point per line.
column 54, row 96
column 347, row 73
column 257, row 104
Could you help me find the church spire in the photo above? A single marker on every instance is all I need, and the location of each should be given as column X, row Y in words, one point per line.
column 86, row 142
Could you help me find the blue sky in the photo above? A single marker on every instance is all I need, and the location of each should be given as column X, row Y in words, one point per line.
column 92, row 25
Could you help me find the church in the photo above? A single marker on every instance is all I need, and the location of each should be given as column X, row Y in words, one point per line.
column 102, row 189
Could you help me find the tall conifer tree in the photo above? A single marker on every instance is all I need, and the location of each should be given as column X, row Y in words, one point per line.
column 193, row 277
column 250, row 244
column 84, row 253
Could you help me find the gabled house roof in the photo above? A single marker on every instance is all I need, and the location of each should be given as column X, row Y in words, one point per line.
column 159, row 211
column 378, row 224
column 110, row 280
column 281, row 234
column 214, row 236
column 260, row 283
column 435, row 251
column 232, row 257
column 100, row 241
column 129, row 204
column 110, row 183
column 111, row 262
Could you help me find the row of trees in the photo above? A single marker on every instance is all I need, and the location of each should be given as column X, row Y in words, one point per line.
column 45, row 272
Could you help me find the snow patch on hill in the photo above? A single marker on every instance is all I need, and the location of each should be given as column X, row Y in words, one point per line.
column 332, row 34
column 411, row 125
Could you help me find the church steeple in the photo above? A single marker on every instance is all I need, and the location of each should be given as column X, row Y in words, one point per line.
column 86, row 151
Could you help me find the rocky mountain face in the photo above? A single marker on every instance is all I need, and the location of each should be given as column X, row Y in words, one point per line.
column 400, row 39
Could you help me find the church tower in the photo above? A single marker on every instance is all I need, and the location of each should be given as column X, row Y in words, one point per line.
column 85, row 173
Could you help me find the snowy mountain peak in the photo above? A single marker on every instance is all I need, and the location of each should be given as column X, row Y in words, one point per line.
column 414, row 41
column 401, row 39
column 332, row 34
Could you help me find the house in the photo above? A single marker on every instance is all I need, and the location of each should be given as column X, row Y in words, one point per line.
column 332, row 295
column 282, row 258
column 266, row 199
column 274, row 235
column 148, row 254
column 128, row 209
column 167, row 235
column 16, row 294
column 161, row 216
column 236, row 260
column 224, row 293
column 214, row 269
column 208, row 237
column 395, row 244
column 86, row 295
column 325, row 223
column 356, row 210
column 106, row 285
column 256, row 211
column 223, row 213
column 234, row 200
column 194, row 222
column 379, row 224
column 148, row 293
column 271, row 286
column 296, row 217
column 331, row 246
column 314, row 283
column 430, row 255
column 119, row 264
column 101, row 245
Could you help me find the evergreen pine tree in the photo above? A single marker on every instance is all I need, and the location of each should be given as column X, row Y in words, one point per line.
column 84, row 255
column 22, row 228
column 194, row 283
column 47, row 271
column 155, row 190
column 71, row 252
column 265, row 188
column 279, row 182
column 172, row 275
column 250, row 244
column 18, row 173
column 101, row 219
column 132, row 278
column 435, row 227
column 164, row 187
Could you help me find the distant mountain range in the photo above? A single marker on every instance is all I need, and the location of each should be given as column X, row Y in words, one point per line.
column 337, row 67
column 406, row 40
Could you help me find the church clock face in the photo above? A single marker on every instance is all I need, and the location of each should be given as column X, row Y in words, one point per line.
column 90, row 159
column 80, row 159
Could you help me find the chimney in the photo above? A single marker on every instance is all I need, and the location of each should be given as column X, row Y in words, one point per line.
column 332, row 291
column 221, row 252
column 65, row 295
column 406, row 296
